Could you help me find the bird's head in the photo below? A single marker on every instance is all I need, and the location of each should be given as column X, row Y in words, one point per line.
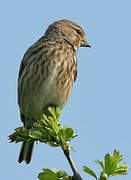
column 69, row 32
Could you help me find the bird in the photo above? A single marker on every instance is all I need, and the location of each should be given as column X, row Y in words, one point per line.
column 47, row 73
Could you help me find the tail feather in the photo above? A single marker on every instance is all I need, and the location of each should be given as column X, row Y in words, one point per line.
column 26, row 152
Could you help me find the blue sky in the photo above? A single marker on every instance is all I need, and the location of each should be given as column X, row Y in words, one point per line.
column 100, row 104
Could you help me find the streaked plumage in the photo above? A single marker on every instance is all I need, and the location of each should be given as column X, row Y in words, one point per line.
column 47, row 73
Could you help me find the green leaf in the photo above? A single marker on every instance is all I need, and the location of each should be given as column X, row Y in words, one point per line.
column 60, row 174
column 47, row 174
column 69, row 134
column 55, row 174
column 107, row 163
column 117, row 156
column 100, row 163
column 121, row 169
column 110, row 165
column 89, row 171
column 65, row 134
column 58, row 112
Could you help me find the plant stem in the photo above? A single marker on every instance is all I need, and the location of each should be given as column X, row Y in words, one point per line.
column 76, row 175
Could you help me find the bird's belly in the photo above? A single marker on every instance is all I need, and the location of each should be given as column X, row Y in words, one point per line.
column 48, row 92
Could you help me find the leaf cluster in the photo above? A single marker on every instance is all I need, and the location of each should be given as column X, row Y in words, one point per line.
column 110, row 166
column 54, row 174
column 46, row 130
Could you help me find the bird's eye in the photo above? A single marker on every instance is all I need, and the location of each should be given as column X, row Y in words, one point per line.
column 78, row 31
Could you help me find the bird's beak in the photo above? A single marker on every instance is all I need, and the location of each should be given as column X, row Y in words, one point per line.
column 84, row 44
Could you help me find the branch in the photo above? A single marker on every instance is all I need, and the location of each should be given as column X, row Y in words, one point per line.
column 76, row 175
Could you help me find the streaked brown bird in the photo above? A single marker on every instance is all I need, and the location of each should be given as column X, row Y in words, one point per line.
column 47, row 73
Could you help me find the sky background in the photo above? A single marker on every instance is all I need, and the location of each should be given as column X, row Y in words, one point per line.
column 100, row 104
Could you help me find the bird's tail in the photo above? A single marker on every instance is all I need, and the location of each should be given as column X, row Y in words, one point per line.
column 26, row 152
